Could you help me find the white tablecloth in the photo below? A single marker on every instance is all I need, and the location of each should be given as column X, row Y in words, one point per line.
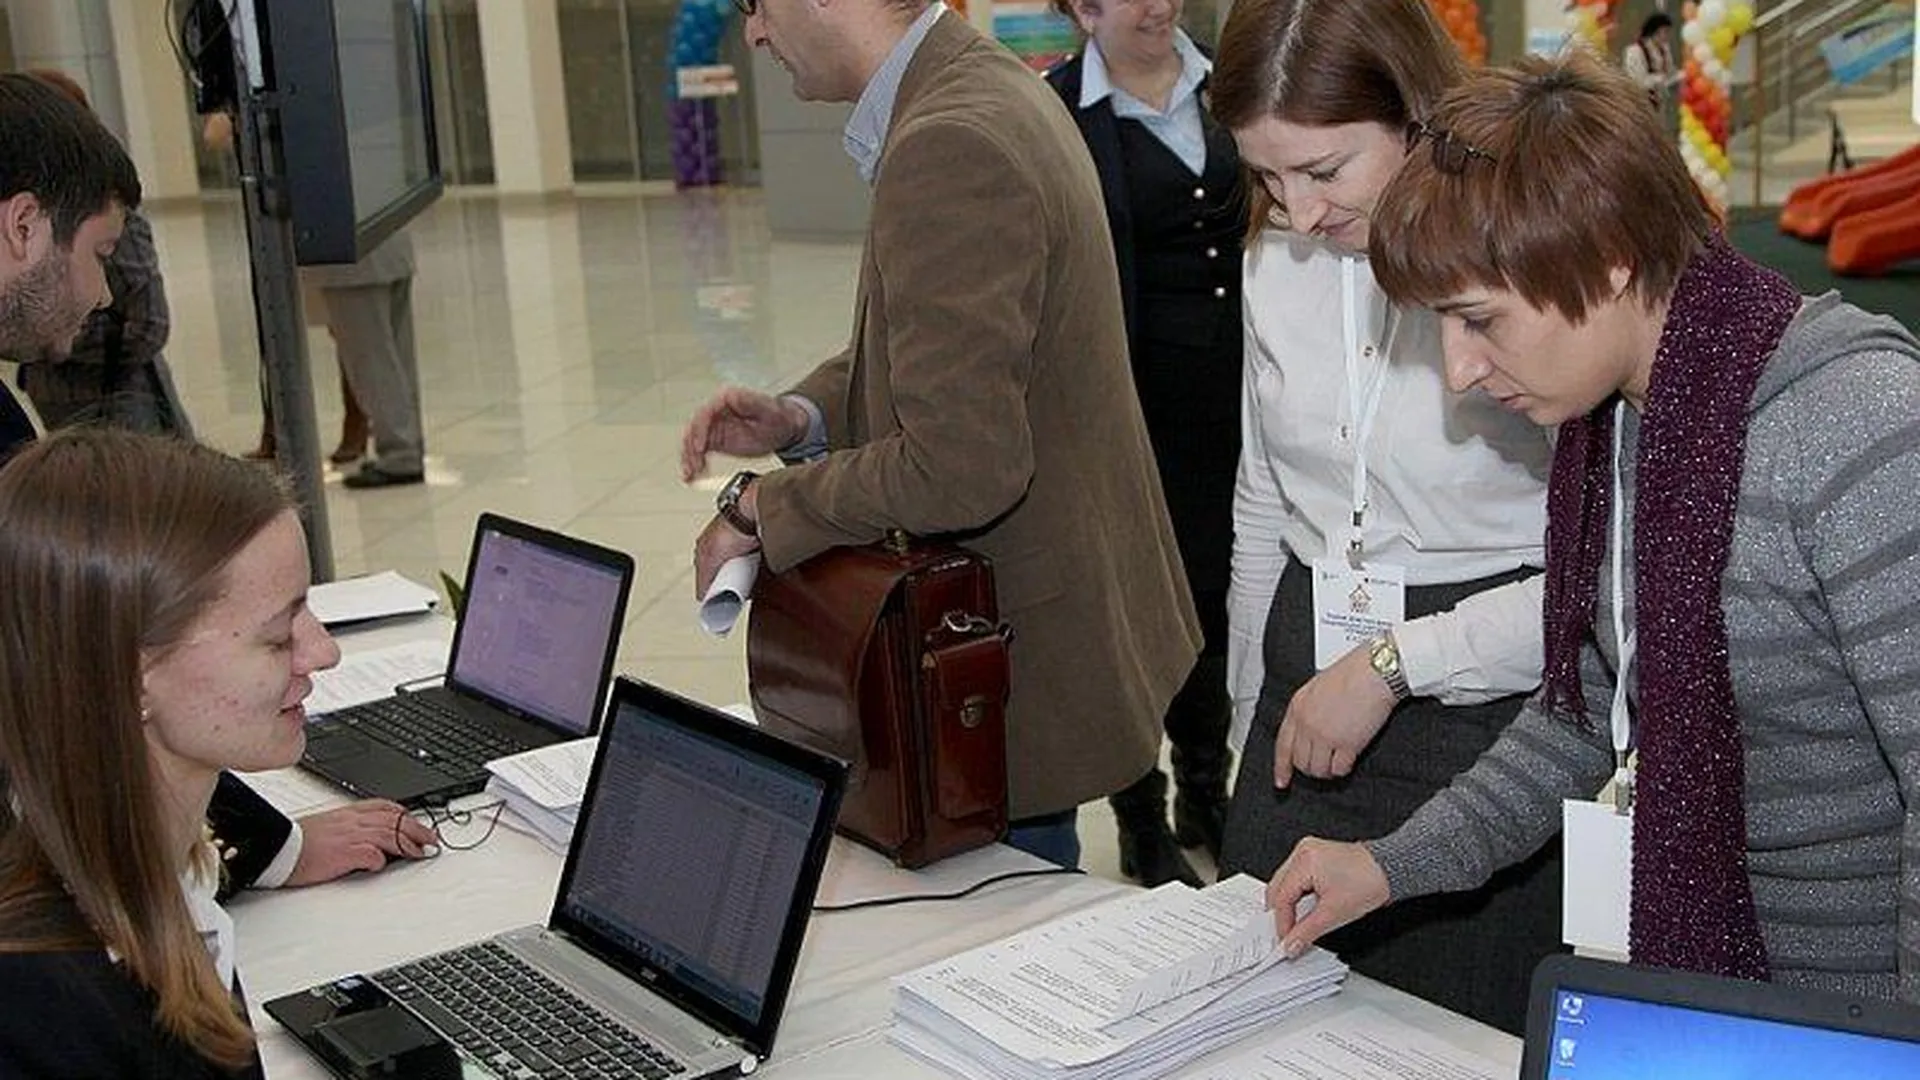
column 836, row 1018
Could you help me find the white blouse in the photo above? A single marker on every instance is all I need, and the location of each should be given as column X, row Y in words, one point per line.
column 1456, row 485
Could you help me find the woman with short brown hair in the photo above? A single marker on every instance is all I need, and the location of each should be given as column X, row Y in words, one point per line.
column 1734, row 515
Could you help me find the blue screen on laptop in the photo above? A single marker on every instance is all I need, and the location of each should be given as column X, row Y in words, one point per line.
column 1596, row 1037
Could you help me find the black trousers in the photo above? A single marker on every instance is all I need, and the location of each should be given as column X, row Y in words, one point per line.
column 1471, row 952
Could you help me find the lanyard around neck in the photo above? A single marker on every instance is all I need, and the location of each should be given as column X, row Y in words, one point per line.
column 1363, row 414
column 1624, row 639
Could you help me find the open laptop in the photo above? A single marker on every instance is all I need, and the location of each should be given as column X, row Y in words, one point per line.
column 675, row 932
column 1597, row 1020
column 531, row 657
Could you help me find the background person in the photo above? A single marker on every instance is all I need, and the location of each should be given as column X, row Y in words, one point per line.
column 1177, row 209
column 1648, row 58
column 113, row 372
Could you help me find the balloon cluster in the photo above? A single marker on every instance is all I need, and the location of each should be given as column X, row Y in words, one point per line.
column 1710, row 30
column 1589, row 22
column 695, row 124
column 1462, row 21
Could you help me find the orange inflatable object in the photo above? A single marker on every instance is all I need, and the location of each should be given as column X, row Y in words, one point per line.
column 1797, row 217
column 1872, row 241
column 1870, row 193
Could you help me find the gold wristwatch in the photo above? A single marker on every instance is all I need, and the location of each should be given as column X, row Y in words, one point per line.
column 1383, row 654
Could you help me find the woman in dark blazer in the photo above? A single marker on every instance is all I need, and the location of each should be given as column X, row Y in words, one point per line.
column 175, row 578
column 1176, row 209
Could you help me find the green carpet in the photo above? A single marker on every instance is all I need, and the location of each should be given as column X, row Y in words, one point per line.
column 1895, row 293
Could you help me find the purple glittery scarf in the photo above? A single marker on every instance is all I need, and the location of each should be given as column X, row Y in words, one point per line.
column 1692, row 902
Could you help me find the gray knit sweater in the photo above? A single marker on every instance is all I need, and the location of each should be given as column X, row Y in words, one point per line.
column 1823, row 630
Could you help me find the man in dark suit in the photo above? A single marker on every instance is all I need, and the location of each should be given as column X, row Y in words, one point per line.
column 985, row 394
column 60, row 216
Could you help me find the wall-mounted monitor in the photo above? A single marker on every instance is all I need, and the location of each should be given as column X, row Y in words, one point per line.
column 356, row 105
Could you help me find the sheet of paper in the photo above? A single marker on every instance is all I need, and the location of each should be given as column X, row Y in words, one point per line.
column 727, row 595
column 1360, row 1044
column 1015, row 1036
column 294, row 791
column 554, row 776
column 1057, row 993
column 1225, row 930
column 372, row 675
column 371, row 597
column 553, row 828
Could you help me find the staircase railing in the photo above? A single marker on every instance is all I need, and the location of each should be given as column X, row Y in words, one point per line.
column 1788, row 66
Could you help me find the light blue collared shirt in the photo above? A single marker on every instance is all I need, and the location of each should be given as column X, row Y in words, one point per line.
column 1179, row 128
column 866, row 130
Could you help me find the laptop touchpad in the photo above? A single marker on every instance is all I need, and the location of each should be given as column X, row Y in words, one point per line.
column 335, row 745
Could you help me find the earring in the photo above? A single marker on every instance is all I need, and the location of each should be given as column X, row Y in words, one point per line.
column 146, row 714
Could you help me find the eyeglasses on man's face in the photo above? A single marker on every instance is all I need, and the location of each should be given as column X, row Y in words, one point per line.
column 1450, row 152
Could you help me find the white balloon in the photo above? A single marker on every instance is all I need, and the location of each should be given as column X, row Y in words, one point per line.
column 1714, row 69
column 1693, row 34
column 1712, row 13
column 1703, row 52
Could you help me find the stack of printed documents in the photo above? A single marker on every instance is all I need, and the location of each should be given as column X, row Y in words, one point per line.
column 1130, row 989
column 543, row 787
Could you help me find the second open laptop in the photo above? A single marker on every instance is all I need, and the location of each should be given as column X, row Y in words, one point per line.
column 674, row 935
column 1595, row 1020
column 532, row 656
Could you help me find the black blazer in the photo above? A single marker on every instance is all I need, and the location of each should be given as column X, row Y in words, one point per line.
column 1101, row 129
column 15, row 429
column 78, row 1016
column 245, row 823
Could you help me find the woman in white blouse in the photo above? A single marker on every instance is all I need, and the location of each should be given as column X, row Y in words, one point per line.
column 1384, row 605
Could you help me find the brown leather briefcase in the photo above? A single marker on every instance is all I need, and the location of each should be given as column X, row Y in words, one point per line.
column 892, row 657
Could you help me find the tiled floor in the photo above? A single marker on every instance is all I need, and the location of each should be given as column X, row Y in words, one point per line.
column 562, row 346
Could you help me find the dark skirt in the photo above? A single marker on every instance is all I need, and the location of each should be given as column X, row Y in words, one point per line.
column 1471, row 952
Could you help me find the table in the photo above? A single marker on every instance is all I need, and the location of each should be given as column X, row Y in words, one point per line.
column 837, row 1016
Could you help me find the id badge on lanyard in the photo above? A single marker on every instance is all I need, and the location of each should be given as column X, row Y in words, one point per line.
column 1598, row 832
column 1354, row 600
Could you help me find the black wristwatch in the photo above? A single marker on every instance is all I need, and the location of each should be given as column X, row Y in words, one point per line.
column 728, row 502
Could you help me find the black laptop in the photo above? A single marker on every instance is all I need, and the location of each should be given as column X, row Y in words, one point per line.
column 532, row 654
column 674, row 936
column 1597, row 1020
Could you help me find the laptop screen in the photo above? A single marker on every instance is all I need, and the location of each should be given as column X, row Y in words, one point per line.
column 1634, row 1023
column 699, row 854
column 538, row 628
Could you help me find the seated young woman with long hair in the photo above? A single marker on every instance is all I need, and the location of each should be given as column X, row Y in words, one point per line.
column 155, row 632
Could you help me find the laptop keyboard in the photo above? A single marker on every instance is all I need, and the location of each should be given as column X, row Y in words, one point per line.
column 430, row 733
column 517, row 1021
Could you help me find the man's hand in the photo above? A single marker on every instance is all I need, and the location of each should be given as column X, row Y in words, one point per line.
column 718, row 542
column 740, row 422
column 358, row 836
column 1331, row 719
column 1344, row 881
